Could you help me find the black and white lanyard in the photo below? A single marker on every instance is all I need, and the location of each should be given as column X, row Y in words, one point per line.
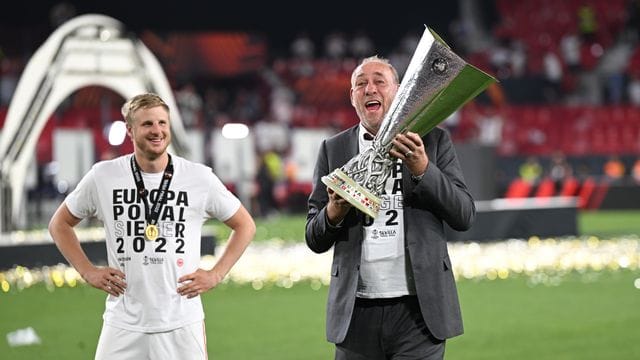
column 152, row 216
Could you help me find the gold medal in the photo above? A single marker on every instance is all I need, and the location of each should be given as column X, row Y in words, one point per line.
column 151, row 232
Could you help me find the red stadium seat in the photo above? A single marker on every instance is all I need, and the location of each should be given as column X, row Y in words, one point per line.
column 546, row 188
column 569, row 187
column 518, row 188
column 586, row 192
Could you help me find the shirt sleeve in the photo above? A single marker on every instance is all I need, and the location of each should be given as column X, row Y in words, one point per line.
column 82, row 201
column 222, row 204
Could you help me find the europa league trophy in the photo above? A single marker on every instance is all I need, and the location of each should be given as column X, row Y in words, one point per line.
column 436, row 83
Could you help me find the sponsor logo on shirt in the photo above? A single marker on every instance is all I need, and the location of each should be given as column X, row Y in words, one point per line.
column 124, row 259
column 152, row 260
column 387, row 232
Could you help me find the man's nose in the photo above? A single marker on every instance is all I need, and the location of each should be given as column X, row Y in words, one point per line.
column 371, row 88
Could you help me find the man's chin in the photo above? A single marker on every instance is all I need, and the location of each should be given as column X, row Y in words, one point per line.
column 155, row 152
column 159, row 147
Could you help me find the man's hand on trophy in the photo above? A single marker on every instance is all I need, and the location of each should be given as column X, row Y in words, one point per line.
column 409, row 148
column 337, row 208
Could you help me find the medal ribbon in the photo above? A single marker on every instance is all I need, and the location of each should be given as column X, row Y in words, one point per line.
column 152, row 216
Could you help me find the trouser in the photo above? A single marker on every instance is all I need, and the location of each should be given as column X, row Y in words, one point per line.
column 382, row 329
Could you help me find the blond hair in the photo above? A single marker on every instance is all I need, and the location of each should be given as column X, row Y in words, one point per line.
column 142, row 101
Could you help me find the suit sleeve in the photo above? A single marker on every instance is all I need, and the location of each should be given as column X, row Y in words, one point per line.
column 319, row 234
column 442, row 189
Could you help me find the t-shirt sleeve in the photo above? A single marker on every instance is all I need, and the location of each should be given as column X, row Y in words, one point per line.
column 222, row 204
column 82, row 201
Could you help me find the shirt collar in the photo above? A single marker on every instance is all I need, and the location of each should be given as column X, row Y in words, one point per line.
column 362, row 142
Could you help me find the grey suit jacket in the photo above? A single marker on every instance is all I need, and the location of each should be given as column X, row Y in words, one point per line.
column 441, row 195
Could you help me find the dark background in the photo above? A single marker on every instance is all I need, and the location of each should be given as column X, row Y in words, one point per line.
column 24, row 22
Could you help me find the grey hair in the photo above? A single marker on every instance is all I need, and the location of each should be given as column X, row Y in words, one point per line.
column 378, row 59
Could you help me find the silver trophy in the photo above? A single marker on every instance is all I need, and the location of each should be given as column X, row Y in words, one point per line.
column 436, row 83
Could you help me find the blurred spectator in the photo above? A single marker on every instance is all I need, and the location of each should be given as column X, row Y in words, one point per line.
column 9, row 75
column 303, row 53
column 270, row 172
column 361, row 45
column 400, row 60
column 614, row 169
column 552, row 68
column 409, row 41
column 214, row 115
column 635, row 171
column 282, row 104
column 560, row 169
column 496, row 95
column 633, row 90
column 612, row 70
column 190, row 105
column 535, row 136
column 615, row 84
column 518, row 59
column 271, row 135
column 570, row 50
column 587, row 22
column 589, row 90
column 490, row 127
column 215, row 107
column 247, row 106
column 335, row 46
column 531, row 170
column 401, row 55
column 460, row 33
column 302, row 47
column 500, row 59
column 274, row 163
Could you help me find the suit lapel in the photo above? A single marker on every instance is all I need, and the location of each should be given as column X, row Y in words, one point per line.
column 351, row 149
column 349, row 145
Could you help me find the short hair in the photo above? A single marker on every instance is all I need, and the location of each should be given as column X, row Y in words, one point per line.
column 141, row 101
column 378, row 59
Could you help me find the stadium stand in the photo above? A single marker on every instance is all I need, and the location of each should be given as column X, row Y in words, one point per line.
column 587, row 128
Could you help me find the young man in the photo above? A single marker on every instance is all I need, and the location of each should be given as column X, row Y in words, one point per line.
column 152, row 205
column 392, row 292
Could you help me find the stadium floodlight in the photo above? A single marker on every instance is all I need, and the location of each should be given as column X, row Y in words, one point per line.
column 235, row 131
column 117, row 133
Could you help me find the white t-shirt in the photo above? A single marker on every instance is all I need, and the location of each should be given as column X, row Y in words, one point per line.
column 384, row 271
column 151, row 302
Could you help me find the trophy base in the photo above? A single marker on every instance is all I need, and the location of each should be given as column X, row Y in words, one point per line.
column 351, row 191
